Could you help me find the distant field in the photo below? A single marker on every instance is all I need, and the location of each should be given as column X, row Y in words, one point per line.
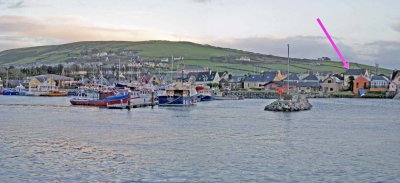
column 215, row 58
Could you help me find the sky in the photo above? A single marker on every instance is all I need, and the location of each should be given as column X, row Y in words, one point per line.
column 365, row 31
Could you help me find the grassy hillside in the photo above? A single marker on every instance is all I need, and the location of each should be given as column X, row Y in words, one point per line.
column 216, row 58
column 60, row 53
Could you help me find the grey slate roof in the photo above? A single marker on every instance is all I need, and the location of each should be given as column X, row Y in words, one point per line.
column 338, row 76
column 233, row 79
column 266, row 77
column 44, row 77
column 354, row 72
column 311, row 77
column 382, row 78
column 284, row 83
column 395, row 73
column 204, row 76
column 308, row 84
column 292, row 77
column 252, row 78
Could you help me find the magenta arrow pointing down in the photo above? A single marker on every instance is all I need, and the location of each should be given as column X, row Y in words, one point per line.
column 345, row 63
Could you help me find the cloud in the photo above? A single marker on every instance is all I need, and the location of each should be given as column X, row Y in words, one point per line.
column 202, row 1
column 70, row 29
column 300, row 46
column 19, row 4
column 396, row 26
column 17, row 31
column 385, row 53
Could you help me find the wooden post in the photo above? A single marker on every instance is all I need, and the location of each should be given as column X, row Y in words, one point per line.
column 152, row 99
column 129, row 101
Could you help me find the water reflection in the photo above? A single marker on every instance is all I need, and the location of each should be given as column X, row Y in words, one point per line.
column 219, row 141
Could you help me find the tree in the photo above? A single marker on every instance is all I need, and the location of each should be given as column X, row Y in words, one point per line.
column 59, row 69
column 351, row 82
column 213, row 85
column 75, row 67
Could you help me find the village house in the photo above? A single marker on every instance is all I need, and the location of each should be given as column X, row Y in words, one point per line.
column 272, row 85
column 309, row 84
column 162, row 65
column 196, row 69
column 259, row 81
column 360, row 83
column 224, row 75
column 379, row 84
column 308, row 87
column 394, row 86
column 178, row 58
column 149, row 64
column 293, row 79
column 232, row 82
column 244, row 58
column 355, row 73
column 34, row 82
column 135, row 65
column 204, row 78
column 331, row 84
column 13, row 83
column 155, row 80
column 165, row 60
column 49, row 79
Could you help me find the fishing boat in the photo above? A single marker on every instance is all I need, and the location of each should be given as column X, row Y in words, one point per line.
column 72, row 93
column 55, row 93
column 1, row 87
column 10, row 92
column 41, row 90
column 96, row 99
column 204, row 94
column 178, row 96
column 21, row 90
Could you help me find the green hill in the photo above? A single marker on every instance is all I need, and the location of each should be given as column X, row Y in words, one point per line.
column 216, row 58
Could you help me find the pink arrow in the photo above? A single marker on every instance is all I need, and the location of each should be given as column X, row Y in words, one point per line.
column 345, row 63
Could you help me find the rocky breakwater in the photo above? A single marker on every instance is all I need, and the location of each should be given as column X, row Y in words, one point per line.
column 290, row 104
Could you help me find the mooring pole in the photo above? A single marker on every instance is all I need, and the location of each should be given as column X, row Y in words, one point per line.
column 129, row 101
column 152, row 99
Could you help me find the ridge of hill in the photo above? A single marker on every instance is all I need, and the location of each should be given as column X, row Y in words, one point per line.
column 215, row 58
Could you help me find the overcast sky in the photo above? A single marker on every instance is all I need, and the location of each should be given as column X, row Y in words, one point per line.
column 366, row 31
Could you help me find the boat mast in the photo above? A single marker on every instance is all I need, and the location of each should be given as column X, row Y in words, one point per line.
column 288, row 63
column 119, row 70
column 7, row 78
column 182, row 73
column 172, row 67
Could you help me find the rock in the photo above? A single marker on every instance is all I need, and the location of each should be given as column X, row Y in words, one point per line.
column 300, row 104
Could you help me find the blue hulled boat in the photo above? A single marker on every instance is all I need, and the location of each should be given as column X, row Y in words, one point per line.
column 10, row 92
column 204, row 94
column 178, row 97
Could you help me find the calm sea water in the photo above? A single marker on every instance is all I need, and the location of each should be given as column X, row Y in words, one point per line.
column 339, row 140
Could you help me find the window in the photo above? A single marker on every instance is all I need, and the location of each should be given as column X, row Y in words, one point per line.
column 357, row 85
column 365, row 85
column 329, row 81
column 331, row 89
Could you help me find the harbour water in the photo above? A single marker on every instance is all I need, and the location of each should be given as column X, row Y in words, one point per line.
column 338, row 140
